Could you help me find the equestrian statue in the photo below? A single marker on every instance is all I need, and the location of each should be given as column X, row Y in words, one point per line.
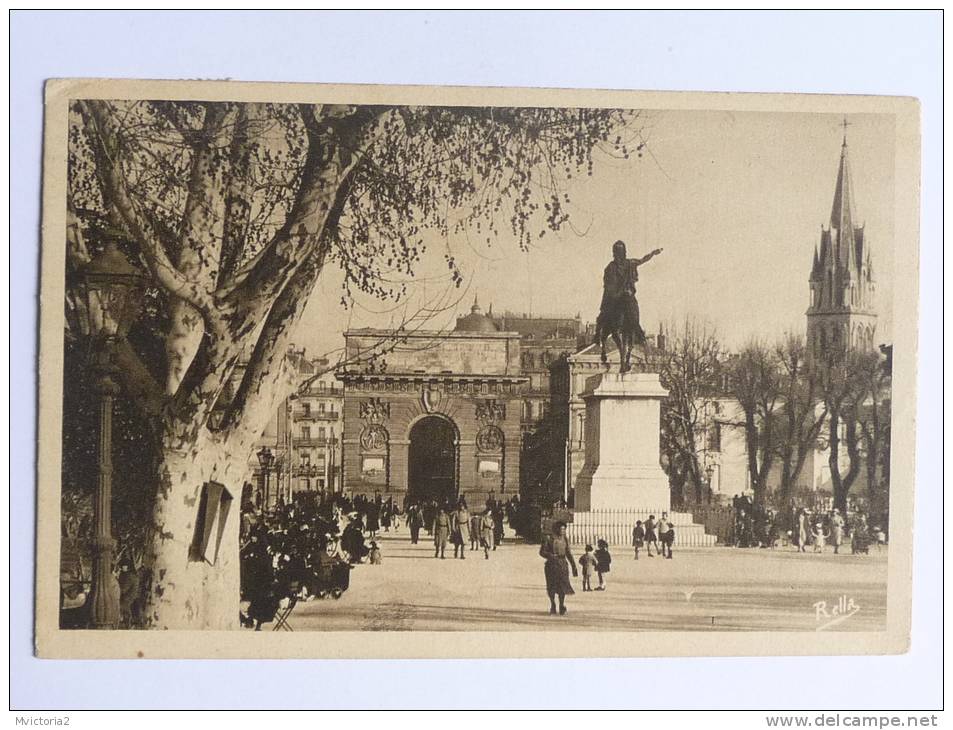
column 619, row 312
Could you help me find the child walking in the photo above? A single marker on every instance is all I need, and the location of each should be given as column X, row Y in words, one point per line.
column 603, row 559
column 638, row 537
column 375, row 555
column 588, row 563
column 820, row 537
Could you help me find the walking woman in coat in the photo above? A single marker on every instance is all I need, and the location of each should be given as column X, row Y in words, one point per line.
column 441, row 531
column 558, row 555
column 837, row 530
column 802, row 530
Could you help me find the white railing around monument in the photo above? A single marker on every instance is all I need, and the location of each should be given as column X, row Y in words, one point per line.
column 615, row 527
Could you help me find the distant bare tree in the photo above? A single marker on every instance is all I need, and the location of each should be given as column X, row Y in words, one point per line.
column 690, row 367
column 755, row 382
column 874, row 425
column 844, row 392
column 801, row 413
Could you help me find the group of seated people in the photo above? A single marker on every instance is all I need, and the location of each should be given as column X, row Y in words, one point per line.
column 300, row 551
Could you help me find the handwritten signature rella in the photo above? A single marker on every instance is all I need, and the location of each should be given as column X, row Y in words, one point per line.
column 830, row 614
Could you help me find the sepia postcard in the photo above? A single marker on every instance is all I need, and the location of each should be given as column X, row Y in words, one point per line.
column 374, row 371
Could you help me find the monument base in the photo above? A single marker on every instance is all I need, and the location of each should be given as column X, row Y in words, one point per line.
column 623, row 488
column 622, row 470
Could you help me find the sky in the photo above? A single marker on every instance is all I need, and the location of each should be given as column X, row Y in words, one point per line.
column 736, row 200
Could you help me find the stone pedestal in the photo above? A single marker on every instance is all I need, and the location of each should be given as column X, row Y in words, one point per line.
column 622, row 470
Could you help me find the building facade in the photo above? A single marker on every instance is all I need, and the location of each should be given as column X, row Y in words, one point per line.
column 303, row 437
column 546, row 343
column 436, row 417
column 316, row 412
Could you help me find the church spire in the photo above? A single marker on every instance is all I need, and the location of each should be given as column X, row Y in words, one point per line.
column 841, row 210
column 841, row 312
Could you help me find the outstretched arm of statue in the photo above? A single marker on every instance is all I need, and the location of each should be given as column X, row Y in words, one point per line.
column 647, row 257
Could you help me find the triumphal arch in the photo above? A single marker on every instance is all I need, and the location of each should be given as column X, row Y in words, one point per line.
column 437, row 416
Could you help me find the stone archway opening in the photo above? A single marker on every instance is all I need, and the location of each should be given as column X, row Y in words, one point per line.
column 432, row 461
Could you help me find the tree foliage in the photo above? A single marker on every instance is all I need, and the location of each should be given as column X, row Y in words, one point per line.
column 235, row 209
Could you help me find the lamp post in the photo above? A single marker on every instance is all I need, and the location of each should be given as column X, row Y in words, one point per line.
column 266, row 460
column 110, row 289
column 710, row 473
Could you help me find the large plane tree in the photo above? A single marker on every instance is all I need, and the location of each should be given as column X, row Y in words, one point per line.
column 234, row 211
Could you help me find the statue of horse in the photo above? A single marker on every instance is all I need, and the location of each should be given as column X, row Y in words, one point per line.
column 621, row 323
column 619, row 311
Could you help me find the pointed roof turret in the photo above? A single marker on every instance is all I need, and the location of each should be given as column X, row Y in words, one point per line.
column 841, row 210
column 816, row 265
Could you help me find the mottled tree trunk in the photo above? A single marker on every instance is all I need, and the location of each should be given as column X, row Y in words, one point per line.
column 188, row 592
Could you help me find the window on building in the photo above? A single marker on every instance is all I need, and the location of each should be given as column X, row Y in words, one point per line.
column 321, row 435
column 321, row 407
column 714, row 437
column 306, row 433
column 306, row 409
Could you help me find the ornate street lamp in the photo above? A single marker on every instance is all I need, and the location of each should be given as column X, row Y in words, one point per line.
column 266, row 460
column 109, row 293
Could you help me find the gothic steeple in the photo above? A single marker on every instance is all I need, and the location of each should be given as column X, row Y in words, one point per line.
column 841, row 277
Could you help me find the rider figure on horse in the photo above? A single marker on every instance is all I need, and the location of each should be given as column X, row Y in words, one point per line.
column 619, row 312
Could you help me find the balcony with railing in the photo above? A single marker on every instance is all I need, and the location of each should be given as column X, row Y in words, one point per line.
column 314, row 442
column 315, row 391
column 312, row 415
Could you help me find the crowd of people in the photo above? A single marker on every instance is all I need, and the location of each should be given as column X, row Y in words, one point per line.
column 305, row 549
column 454, row 523
column 755, row 525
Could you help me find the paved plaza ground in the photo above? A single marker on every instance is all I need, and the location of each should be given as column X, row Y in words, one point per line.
column 727, row 589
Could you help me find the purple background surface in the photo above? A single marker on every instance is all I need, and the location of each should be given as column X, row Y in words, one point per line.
column 844, row 52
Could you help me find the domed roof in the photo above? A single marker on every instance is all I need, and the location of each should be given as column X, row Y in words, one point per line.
column 476, row 321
